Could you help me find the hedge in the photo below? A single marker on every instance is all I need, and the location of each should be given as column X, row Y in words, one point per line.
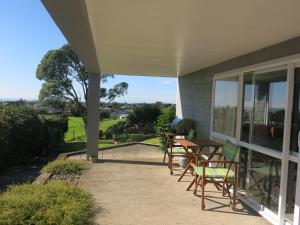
column 24, row 134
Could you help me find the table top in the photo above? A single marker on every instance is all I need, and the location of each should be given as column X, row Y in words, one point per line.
column 198, row 143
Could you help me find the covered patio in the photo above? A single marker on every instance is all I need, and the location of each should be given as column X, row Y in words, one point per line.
column 238, row 78
column 132, row 186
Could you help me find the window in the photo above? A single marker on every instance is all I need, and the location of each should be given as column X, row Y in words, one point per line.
column 225, row 106
column 264, row 100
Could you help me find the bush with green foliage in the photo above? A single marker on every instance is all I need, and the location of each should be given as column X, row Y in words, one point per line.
column 55, row 127
column 64, row 166
column 52, row 203
column 117, row 130
column 24, row 134
column 144, row 117
column 162, row 123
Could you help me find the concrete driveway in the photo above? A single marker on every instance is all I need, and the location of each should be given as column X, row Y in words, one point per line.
column 132, row 187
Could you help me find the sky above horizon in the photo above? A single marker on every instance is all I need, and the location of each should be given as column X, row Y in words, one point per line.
column 28, row 32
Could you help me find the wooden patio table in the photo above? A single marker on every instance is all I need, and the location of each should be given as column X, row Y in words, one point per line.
column 196, row 146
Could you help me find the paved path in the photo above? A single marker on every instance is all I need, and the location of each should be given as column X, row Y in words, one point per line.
column 132, row 187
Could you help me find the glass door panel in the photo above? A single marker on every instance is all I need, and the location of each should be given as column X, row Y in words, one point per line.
column 264, row 180
column 264, row 108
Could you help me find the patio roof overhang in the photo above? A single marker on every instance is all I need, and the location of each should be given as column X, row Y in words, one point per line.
column 170, row 37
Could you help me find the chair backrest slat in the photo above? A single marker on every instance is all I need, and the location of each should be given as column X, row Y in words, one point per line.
column 230, row 150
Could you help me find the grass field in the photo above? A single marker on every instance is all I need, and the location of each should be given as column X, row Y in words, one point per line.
column 76, row 128
column 75, row 138
column 152, row 141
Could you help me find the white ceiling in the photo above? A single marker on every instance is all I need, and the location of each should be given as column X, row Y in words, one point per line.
column 171, row 37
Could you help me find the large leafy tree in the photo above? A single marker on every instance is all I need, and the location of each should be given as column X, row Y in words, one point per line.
column 66, row 81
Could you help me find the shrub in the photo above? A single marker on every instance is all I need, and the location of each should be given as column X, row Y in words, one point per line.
column 24, row 134
column 52, row 203
column 64, row 166
column 117, row 130
column 162, row 123
column 55, row 127
column 144, row 116
column 21, row 134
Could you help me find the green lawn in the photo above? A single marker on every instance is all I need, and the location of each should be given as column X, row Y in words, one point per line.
column 76, row 128
column 152, row 141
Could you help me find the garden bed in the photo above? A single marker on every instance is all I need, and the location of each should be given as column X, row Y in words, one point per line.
column 63, row 169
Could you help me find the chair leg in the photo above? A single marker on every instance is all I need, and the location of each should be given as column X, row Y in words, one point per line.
column 184, row 172
column 234, row 197
column 223, row 189
column 166, row 152
column 197, row 183
column 171, row 165
column 202, row 195
column 191, row 184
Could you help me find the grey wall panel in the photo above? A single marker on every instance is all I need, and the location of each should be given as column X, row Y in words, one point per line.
column 195, row 89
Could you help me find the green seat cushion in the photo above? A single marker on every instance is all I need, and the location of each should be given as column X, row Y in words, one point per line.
column 180, row 150
column 214, row 172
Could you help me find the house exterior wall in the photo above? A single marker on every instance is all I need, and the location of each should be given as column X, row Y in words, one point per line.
column 194, row 90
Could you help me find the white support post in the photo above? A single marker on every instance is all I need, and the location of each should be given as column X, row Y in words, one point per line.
column 286, row 143
column 178, row 101
column 93, row 105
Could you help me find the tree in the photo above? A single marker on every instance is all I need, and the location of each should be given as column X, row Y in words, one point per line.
column 144, row 116
column 66, row 81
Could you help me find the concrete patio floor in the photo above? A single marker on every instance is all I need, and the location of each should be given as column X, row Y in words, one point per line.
column 132, row 187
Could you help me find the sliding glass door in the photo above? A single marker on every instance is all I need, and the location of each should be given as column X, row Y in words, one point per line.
column 260, row 110
column 262, row 128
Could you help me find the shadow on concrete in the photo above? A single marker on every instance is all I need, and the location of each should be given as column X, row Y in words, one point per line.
column 137, row 162
column 244, row 210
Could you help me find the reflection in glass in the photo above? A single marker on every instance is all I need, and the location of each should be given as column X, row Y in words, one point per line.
column 264, row 108
column 291, row 191
column 264, row 180
column 225, row 106
column 242, row 171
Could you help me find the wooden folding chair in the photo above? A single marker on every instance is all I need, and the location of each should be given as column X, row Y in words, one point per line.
column 221, row 175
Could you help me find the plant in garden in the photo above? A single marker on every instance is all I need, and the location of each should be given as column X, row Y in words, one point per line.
column 144, row 116
column 162, row 123
column 24, row 134
column 64, row 166
column 52, row 203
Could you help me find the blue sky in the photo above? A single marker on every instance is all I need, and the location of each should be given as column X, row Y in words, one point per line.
column 28, row 32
